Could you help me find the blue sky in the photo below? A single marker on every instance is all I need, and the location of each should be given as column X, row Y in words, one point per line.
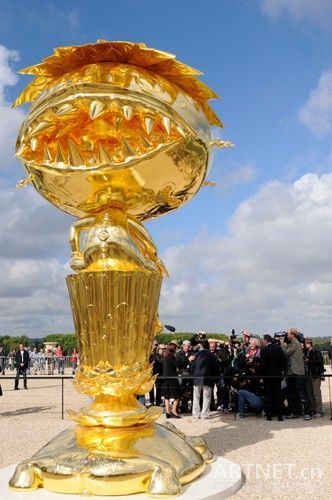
column 270, row 61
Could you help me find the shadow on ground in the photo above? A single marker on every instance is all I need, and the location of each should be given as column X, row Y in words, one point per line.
column 260, row 430
column 25, row 411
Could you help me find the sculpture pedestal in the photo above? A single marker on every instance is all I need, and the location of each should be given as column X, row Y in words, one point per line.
column 220, row 480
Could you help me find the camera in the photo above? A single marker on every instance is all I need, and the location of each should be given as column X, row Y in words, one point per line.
column 232, row 335
column 279, row 335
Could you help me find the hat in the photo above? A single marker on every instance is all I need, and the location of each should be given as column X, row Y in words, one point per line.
column 245, row 333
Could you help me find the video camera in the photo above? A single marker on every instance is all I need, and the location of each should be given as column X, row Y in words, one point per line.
column 278, row 335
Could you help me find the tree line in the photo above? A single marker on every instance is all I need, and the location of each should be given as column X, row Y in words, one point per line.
column 68, row 341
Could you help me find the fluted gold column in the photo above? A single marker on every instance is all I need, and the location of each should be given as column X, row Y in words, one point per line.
column 114, row 315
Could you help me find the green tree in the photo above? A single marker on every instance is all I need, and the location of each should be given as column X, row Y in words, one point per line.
column 68, row 341
column 10, row 343
column 164, row 338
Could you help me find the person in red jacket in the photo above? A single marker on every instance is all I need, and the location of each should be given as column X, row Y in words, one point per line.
column 74, row 361
column 60, row 359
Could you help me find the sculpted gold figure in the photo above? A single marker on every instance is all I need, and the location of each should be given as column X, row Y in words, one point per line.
column 118, row 133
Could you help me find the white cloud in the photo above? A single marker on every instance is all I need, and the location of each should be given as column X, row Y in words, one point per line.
column 33, row 252
column 54, row 18
column 33, row 235
column 316, row 113
column 238, row 175
column 318, row 12
column 10, row 119
column 273, row 270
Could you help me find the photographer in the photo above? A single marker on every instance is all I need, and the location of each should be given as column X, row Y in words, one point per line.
column 295, row 380
column 196, row 339
column 249, row 391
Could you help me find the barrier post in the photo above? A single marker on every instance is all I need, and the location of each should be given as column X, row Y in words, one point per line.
column 62, row 398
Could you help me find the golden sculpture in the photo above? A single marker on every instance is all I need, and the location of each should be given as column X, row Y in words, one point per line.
column 118, row 133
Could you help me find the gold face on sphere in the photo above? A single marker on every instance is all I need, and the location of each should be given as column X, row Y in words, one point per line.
column 116, row 124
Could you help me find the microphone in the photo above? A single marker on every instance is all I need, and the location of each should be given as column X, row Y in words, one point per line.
column 170, row 328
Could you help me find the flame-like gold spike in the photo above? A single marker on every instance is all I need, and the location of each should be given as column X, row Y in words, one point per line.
column 145, row 141
column 59, row 157
column 65, row 108
column 96, row 109
column 21, row 149
column 181, row 130
column 104, row 156
column 47, row 155
column 148, row 123
column 118, row 121
column 127, row 112
column 167, row 124
column 209, row 184
column 127, row 149
column 34, row 144
column 75, row 158
column 40, row 127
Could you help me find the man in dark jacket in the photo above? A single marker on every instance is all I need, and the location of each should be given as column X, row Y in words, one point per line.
column 314, row 365
column 273, row 362
column 3, row 360
column 21, row 363
column 204, row 371
column 182, row 358
column 156, row 361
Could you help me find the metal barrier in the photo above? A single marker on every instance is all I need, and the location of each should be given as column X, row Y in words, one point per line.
column 179, row 377
column 52, row 377
column 8, row 362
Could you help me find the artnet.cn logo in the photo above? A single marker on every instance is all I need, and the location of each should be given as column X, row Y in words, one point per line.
column 257, row 472
column 281, row 472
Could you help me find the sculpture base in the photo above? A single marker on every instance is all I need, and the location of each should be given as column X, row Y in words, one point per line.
column 220, row 480
column 156, row 459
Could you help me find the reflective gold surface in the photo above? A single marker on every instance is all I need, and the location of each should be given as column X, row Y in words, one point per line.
column 118, row 133
column 96, row 145
column 66, row 59
column 159, row 462
column 114, row 314
column 113, row 241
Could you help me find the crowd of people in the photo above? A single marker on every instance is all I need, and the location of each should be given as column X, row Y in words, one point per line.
column 276, row 376
column 273, row 376
column 34, row 361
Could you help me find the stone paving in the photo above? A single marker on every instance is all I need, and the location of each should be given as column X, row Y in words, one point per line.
column 280, row 460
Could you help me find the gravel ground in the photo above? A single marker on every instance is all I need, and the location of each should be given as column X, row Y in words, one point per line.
column 280, row 460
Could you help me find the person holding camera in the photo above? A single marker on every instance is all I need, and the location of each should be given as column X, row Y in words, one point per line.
column 298, row 399
column 248, row 392
column 196, row 339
